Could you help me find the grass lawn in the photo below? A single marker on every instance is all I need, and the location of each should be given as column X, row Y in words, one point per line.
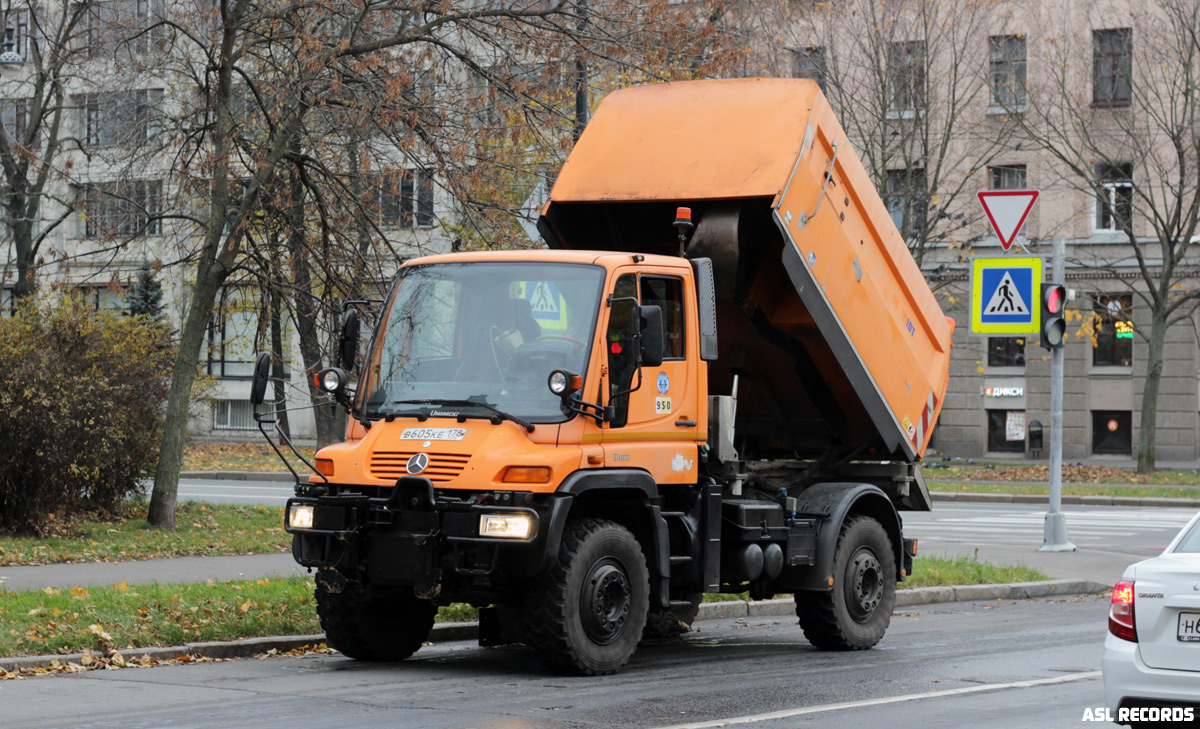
column 201, row 529
column 240, row 457
column 1005, row 472
column 1071, row 489
column 127, row 617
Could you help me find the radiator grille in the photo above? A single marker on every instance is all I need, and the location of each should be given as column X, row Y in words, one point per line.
column 389, row 465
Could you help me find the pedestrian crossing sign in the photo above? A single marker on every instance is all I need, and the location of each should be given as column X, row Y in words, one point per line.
column 1006, row 296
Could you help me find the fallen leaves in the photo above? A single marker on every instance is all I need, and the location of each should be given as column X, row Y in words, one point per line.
column 113, row 660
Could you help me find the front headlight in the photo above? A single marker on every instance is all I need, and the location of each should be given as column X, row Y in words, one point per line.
column 300, row 516
column 506, row 526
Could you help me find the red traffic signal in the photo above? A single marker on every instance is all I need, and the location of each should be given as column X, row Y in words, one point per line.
column 1054, row 323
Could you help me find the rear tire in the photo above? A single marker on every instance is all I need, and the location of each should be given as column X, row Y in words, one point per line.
column 672, row 622
column 380, row 628
column 587, row 614
column 855, row 614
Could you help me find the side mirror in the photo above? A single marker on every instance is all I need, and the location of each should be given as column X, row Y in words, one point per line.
column 649, row 319
column 348, row 342
column 262, row 374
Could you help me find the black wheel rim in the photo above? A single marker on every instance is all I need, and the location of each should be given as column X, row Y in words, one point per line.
column 863, row 585
column 605, row 601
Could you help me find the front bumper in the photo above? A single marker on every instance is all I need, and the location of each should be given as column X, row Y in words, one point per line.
column 419, row 537
column 1128, row 682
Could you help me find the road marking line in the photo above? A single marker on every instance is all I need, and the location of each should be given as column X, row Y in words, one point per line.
column 789, row 713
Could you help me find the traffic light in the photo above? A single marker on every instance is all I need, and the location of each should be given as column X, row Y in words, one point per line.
column 1054, row 323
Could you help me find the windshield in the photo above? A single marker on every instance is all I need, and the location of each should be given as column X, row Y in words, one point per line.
column 486, row 332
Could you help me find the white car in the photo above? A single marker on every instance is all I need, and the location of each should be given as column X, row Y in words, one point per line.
column 1152, row 650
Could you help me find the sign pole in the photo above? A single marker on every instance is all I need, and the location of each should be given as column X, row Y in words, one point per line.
column 1056, row 522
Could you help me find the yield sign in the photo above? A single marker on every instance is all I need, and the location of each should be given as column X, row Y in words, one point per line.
column 1006, row 211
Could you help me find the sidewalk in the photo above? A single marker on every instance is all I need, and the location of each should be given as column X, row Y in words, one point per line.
column 163, row 571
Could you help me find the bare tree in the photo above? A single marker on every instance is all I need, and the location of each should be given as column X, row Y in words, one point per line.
column 47, row 43
column 1124, row 130
column 909, row 84
column 294, row 65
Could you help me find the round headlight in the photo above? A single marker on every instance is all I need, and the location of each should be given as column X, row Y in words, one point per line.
column 331, row 380
column 558, row 382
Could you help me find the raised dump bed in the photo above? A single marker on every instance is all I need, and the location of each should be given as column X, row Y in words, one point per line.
column 840, row 348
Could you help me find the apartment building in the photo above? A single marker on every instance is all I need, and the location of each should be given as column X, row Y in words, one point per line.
column 111, row 205
column 1069, row 99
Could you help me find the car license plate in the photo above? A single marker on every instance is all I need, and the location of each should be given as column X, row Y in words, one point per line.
column 433, row 434
column 1189, row 627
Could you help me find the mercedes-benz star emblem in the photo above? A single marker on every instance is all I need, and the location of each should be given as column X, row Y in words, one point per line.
column 419, row 462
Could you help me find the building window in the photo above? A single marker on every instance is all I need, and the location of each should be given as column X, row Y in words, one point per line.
column 810, row 63
column 1007, row 177
column 132, row 26
column 120, row 209
column 8, row 302
column 233, row 415
column 1114, row 331
column 1007, row 73
column 905, row 197
column 1112, row 432
column 234, row 332
column 667, row 294
column 1112, row 65
column 16, row 33
column 1006, row 431
column 1006, row 352
column 126, row 117
column 402, row 199
column 106, row 298
column 1114, row 191
column 906, row 77
column 14, row 114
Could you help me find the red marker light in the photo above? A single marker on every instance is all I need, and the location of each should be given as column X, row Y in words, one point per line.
column 616, row 348
column 1120, row 612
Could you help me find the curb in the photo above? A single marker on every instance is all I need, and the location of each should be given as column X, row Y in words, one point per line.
column 1066, row 499
column 239, row 476
column 708, row 611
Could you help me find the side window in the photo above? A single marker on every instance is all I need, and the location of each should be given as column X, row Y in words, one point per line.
column 619, row 340
column 667, row 293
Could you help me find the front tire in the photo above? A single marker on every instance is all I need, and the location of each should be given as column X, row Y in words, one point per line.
column 855, row 614
column 378, row 628
column 586, row 616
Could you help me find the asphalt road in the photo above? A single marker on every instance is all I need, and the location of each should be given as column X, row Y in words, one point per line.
column 271, row 493
column 1001, row 664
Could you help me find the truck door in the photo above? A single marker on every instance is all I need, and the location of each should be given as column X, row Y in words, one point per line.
column 656, row 425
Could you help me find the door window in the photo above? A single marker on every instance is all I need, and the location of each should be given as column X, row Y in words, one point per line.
column 618, row 339
column 667, row 294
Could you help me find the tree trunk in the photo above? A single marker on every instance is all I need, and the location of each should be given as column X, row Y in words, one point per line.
column 277, row 358
column 1154, row 367
column 306, row 312
column 25, row 285
column 166, row 478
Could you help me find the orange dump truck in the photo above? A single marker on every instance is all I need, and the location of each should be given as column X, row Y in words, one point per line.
column 720, row 377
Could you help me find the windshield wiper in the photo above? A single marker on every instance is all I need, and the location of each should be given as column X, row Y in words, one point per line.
column 497, row 417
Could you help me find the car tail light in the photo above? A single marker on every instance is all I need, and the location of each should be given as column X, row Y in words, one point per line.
column 1120, row 612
